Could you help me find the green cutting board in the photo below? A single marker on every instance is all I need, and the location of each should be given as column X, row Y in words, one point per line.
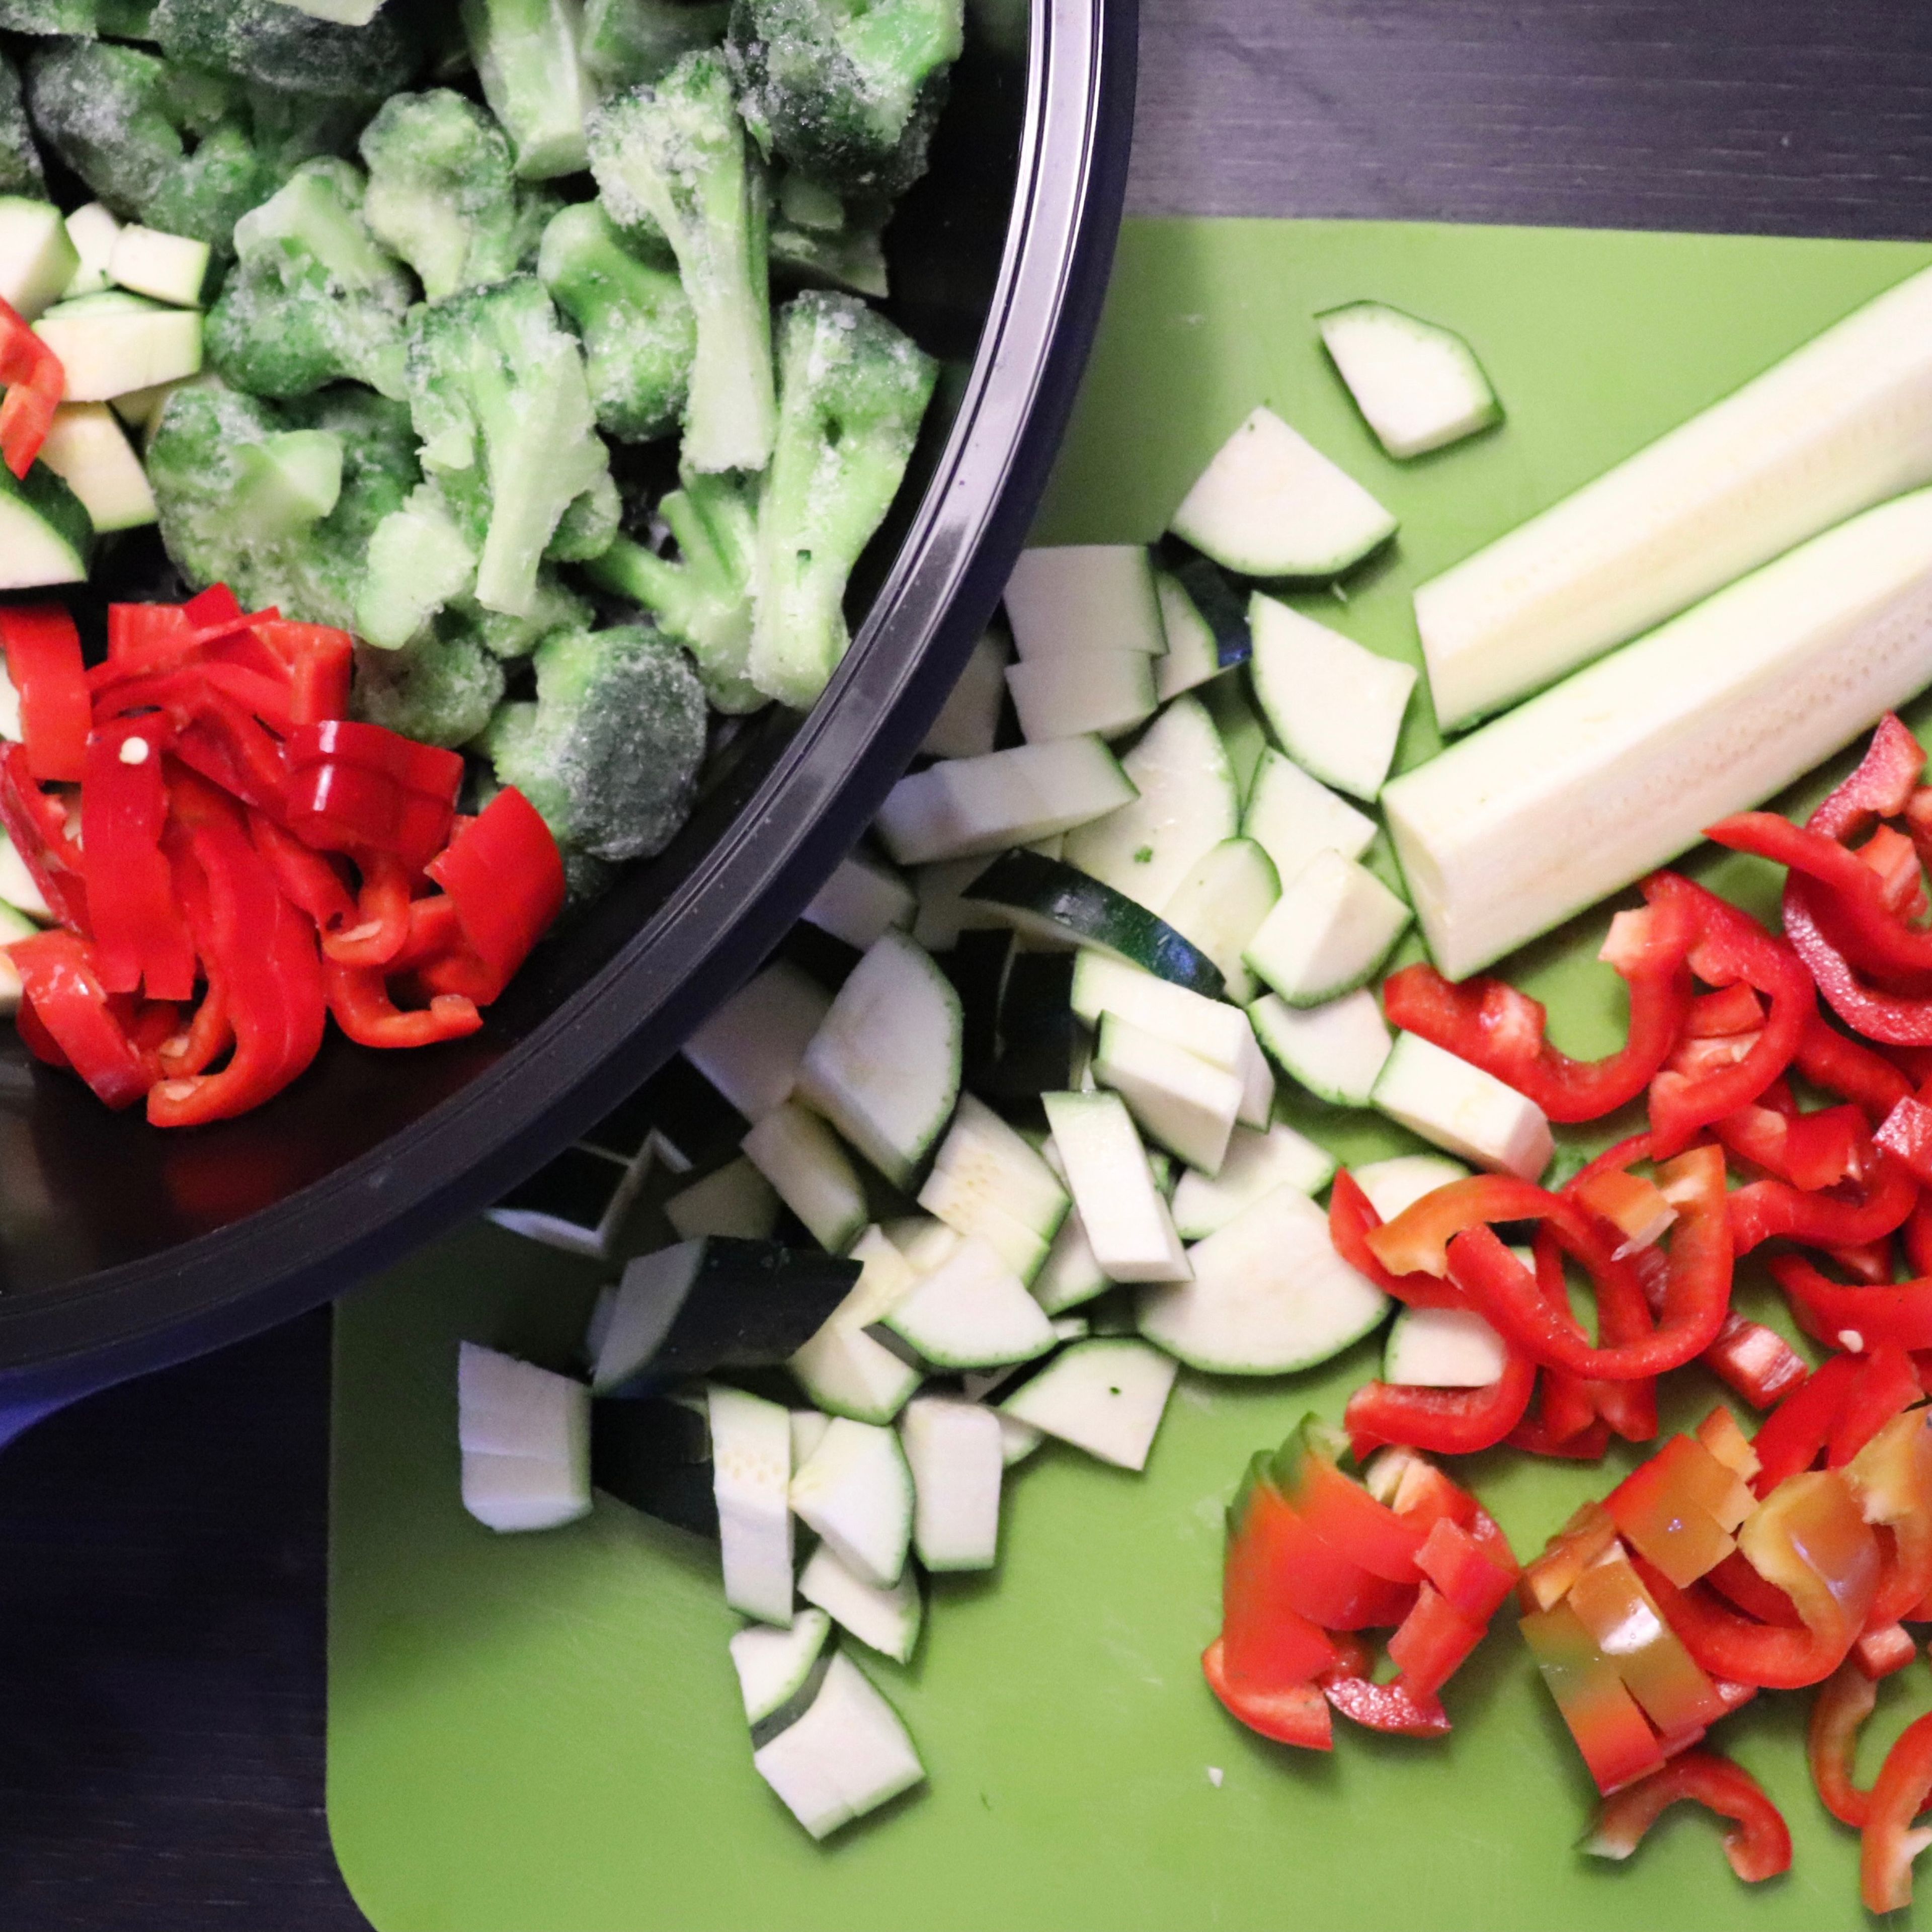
column 544, row 1732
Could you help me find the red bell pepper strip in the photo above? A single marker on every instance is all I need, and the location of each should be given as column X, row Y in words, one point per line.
column 1390, row 1707
column 1844, row 1701
column 1794, row 1434
column 1609, row 1602
column 1290, row 1713
column 60, row 980
column 381, row 926
column 1894, row 1019
column 1758, row 1848
column 1870, row 1261
column 320, row 660
column 364, row 1010
column 1830, row 1310
column 1848, row 1068
column 1474, row 1577
column 35, row 383
column 1352, row 1216
column 1443, row 1421
column 1535, row 1438
column 1738, row 1583
column 1266, row 1644
column 140, row 936
column 1286, row 1562
column 1430, row 1645
column 1340, row 1510
column 1680, row 1510
column 1811, row 1151
column 306, row 877
column 263, row 950
column 1891, row 1478
column 1417, row 1241
column 1916, row 1234
column 1757, row 1362
column 1880, row 786
column 43, row 663
column 1719, row 1016
column 1883, row 1650
column 1898, row 1795
column 1731, row 949
column 1695, row 1296
column 352, row 784
column 1614, row 1736
column 505, row 874
column 1907, row 1135
column 1766, row 1208
column 1493, row 1026
column 1886, row 1385
column 1546, row 1579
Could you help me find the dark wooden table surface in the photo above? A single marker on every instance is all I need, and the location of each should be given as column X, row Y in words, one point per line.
column 162, row 1546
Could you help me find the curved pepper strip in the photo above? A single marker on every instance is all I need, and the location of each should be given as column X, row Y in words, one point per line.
column 1696, row 1291
column 1898, row 1794
column 1902, row 1313
column 319, row 659
column 263, row 950
column 60, row 981
column 1290, row 1713
column 1417, row 1241
column 305, row 876
column 36, row 821
column 44, row 666
column 1887, row 1383
column 1731, row 949
column 1758, row 1848
column 1793, row 1436
column 1445, row 1421
column 1766, row 1208
column 35, row 383
column 364, row 1010
column 381, row 926
column 504, row 873
column 1810, row 1151
column 1848, row 1068
column 1891, row 1476
column 1896, row 1019
column 1351, row 1217
column 1493, row 1026
column 140, row 934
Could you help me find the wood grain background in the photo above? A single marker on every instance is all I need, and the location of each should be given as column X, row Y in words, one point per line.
column 162, row 1549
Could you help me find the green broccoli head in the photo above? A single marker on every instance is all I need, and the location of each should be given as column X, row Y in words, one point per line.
column 314, row 298
column 639, row 334
column 609, row 752
column 847, row 90
column 821, row 240
column 625, row 42
column 675, row 156
column 437, row 690
column 852, row 393
column 704, row 599
column 496, row 388
column 527, row 58
column 442, row 194
column 20, row 172
column 556, row 607
column 224, row 512
column 276, row 45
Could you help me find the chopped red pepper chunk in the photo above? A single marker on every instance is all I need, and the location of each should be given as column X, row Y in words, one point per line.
column 60, row 983
column 1290, row 1713
column 1616, row 1740
column 1758, row 1848
column 1898, row 1796
column 43, row 663
column 35, row 383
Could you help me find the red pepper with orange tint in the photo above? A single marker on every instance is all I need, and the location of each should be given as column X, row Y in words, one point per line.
column 35, row 383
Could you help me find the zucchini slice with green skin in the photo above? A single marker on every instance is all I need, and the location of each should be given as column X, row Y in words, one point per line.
column 846, row 1754
column 971, row 1311
column 1207, row 627
column 524, row 1434
column 963, row 806
column 810, row 1172
column 1129, row 1231
column 736, row 1200
column 1105, row 692
column 751, row 1049
column 887, row 1621
column 884, row 1067
column 774, row 1665
column 862, row 900
column 1256, row 1164
column 1335, row 1051
column 856, row 1492
column 954, row 1450
column 1291, row 817
column 1066, row 600
column 1839, row 425
column 1333, row 924
column 1402, row 1180
column 1573, row 795
column 655, row 1456
column 1220, row 906
column 1270, row 1294
column 842, row 1369
column 983, row 1162
column 751, row 1475
column 1176, row 1097
column 1106, row 1396
column 1463, row 1109
column 46, row 536
column 1337, row 707
column 1270, row 504
column 1186, row 801
column 1442, row 1348
column 1047, row 898
column 1418, row 386
column 1072, row 1275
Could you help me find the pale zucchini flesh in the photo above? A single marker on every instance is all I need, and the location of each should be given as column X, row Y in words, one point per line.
column 885, row 1620
column 1193, row 651
column 861, row 901
column 1105, row 692
column 1291, row 817
column 1402, row 1180
column 1066, row 600
column 751, row 1047
column 856, row 1492
column 524, row 1433
column 809, row 1170
column 1842, row 423
column 737, row 1200
column 955, row 1452
column 1442, row 1348
column 1072, row 1274
column 1187, row 1104
column 1128, row 1225
column 1617, row 770
column 1106, row 1396
column 750, row 1473
column 968, row 723
column 772, row 1665
column 1220, row 905
column 1333, row 925
column 1418, row 384
column 1336, row 1051
column 844, row 1369
column 846, row 1755
column 1463, row 1109
column 1257, row 1163
column 963, row 806
column 970, row 1312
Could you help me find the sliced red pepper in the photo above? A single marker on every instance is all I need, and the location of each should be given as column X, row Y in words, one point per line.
column 1351, row 1217
column 140, row 936
column 1340, row 1510
column 1895, row 1019
column 1738, row 1583
column 1493, row 1026
column 1311, row 1576
column 263, row 950
column 1886, row 1383
column 1290, row 1713
column 306, row 878
column 1766, row 1209
column 1719, row 1433
column 1547, row 1581
column 1442, row 1421
column 1844, row 1701
column 1731, row 949
column 1870, row 1261
column 1882, row 1651
column 1470, row 1576
column 1391, row 1707
column 1757, row 1362
column 1811, row 1151
column 1891, row 1476
column 1430, row 1645
column 1907, row 1135
column 381, row 927
column 1614, row 1736
column 1831, row 1310
column 504, row 875
column 352, row 784
column 60, row 981
column 364, row 1010
column 1758, row 1848
column 1898, row 1794
column 1794, row 1434
column 44, row 664
column 320, row 661
column 1848, row 1068
column 1267, row 1644
column 1680, row 1510
column 1535, row 1438
column 35, row 383
column 1716, row 1015
column 1626, row 1627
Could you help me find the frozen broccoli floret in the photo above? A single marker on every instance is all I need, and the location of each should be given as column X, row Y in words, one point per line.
column 676, row 154
column 441, row 192
column 526, row 58
column 609, row 752
column 20, row 171
column 222, row 516
column 313, row 298
column 703, row 600
column 820, row 240
column 291, row 128
column 419, row 558
column 852, row 392
column 276, row 45
column 625, row 42
column 119, row 19
column 497, row 391
column 557, row 608
column 846, row 92
column 636, row 325
column 437, row 690
column 588, row 527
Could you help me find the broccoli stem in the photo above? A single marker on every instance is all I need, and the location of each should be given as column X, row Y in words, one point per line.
column 676, row 155
column 526, row 58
